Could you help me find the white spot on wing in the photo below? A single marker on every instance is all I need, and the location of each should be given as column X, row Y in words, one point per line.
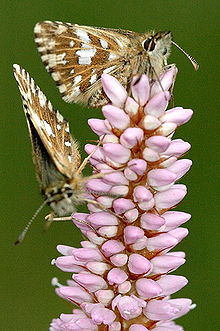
column 62, row 88
column 59, row 117
column 120, row 44
column 58, row 127
column 56, row 76
column 112, row 56
column 93, row 79
column 37, row 28
column 107, row 70
column 72, row 71
column 85, row 55
column 42, row 99
column 83, row 35
column 60, row 29
column 103, row 43
column 83, row 45
column 67, row 143
column 69, row 158
column 48, row 129
column 71, row 43
column 77, row 79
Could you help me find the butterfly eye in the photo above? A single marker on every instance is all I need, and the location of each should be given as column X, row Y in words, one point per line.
column 149, row 44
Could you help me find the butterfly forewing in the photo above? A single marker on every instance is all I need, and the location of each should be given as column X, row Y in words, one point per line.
column 77, row 56
column 55, row 152
column 49, row 124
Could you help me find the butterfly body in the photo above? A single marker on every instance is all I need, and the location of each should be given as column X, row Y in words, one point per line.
column 77, row 56
column 55, row 152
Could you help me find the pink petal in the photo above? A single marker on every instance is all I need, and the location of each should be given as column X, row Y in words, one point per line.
column 138, row 264
column 140, row 88
column 114, row 90
column 177, row 115
column 117, row 152
column 112, row 247
column 157, row 104
column 131, row 137
column 132, row 234
column 148, row 288
column 116, row 276
column 116, row 117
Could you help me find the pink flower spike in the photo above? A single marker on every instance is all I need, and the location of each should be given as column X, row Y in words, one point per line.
column 138, row 264
column 132, row 234
column 131, row 137
column 121, row 272
column 117, row 152
column 98, row 126
column 157, row 104
column 140, row 88
column 177, row 115
column 116, row 117
column 114, row 90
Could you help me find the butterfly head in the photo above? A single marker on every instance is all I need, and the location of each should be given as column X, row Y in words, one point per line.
column 158, row 44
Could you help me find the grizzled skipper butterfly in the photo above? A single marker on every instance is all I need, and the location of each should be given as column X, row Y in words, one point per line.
column 55, row 152
column 77, row 56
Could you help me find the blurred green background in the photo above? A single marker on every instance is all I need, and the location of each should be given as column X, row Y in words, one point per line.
column 27, row 299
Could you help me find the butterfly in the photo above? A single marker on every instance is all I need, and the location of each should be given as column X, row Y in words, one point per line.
column 55, row 152
column 77, row 56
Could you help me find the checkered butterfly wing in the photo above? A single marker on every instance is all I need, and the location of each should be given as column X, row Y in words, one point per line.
column 55, row 153
column 77, row 56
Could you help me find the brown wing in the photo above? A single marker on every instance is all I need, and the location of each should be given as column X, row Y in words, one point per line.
column 50, row 130
column 76, row 56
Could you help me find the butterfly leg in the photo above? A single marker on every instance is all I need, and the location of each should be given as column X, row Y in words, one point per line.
column 86, row 160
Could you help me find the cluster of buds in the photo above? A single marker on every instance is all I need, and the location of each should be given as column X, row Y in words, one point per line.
column 121, row 275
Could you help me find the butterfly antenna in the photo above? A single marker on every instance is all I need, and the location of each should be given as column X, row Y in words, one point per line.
column 23, row 233
column 192, row 60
